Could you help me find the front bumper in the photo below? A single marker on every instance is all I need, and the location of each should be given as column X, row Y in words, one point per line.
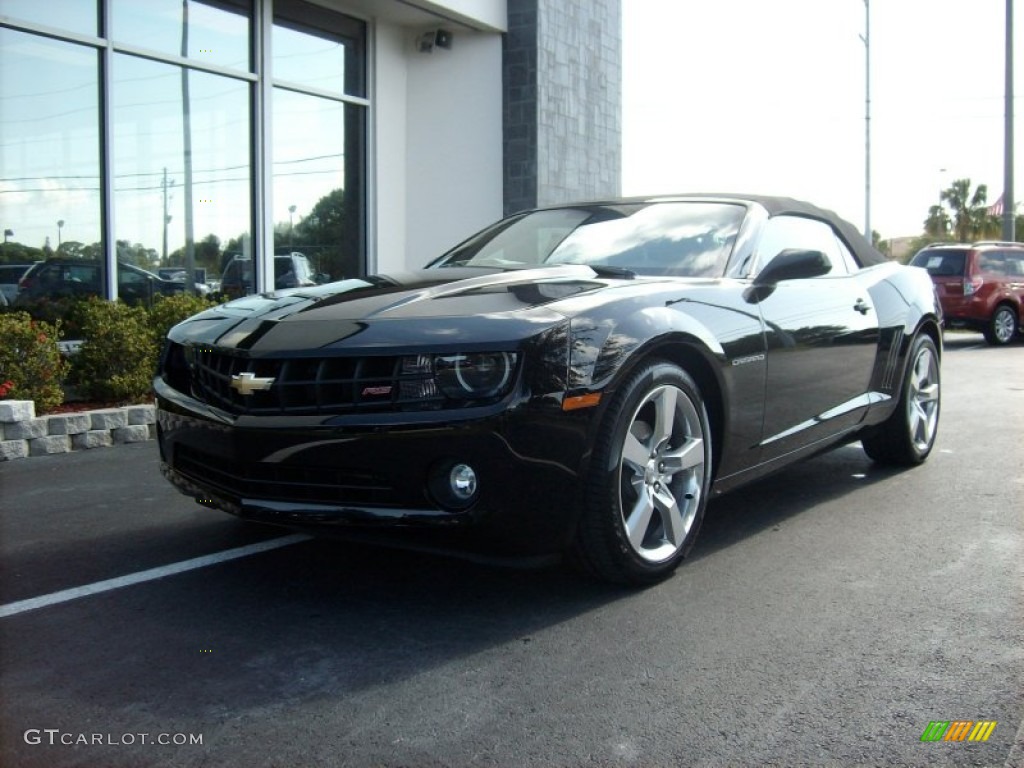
column 376, row 477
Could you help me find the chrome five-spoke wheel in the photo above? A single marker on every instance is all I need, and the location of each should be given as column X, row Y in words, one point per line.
column 661, row 475
column 908, row 435
column 923, row 399
column 646, row 493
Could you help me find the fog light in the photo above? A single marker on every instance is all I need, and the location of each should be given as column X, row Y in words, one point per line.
column 462, row 480
column 453, row 485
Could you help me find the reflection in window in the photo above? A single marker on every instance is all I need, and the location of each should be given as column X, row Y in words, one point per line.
column 49, row 149
column 784, row 232
column 317, row 49
column 80, row 16
column 165, row 196
column 317, row 182
column 691, row 239
column 214, row 32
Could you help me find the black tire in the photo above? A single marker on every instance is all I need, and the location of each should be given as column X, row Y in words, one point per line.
column 908, row 435
column 651, row 472
column 1002, row 326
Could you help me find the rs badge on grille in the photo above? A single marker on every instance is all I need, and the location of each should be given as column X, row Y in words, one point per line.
column 247, row 383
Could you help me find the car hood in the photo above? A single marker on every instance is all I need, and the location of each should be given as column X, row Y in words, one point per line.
column 454, row 305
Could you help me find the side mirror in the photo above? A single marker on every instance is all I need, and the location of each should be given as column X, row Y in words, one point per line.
column 794, row 264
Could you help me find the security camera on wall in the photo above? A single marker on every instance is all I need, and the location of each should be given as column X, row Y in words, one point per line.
column 434, row 38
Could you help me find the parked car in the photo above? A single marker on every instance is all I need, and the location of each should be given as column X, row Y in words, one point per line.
column 10, row 274
column 980, row 286
column 578, row 379
column 178, row 275
column 290, row 271
column 56, row 278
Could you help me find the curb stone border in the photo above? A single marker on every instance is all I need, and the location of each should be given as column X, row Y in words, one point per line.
column 22, row 434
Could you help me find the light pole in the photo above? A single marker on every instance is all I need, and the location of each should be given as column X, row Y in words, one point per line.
column 866, row 39
column 60, row 226
column 1009, row 212
column 291, row 227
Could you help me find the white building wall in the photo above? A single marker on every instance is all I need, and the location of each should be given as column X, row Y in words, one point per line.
column 481, row 14
column 387, row 150
column 454, row 144
column 435, row 149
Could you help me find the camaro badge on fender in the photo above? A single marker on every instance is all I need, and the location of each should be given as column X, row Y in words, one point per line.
column 247, row 383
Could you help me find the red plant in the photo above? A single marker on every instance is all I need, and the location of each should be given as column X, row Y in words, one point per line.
column 5, row 388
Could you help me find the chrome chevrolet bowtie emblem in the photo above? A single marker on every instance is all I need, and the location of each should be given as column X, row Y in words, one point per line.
column 247, row 383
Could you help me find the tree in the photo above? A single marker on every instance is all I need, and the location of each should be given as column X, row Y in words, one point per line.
column 970, row 213
column 136, row 254
column 208, row 253
column 328, row 236
column 937, row 225
column 882, row 246
column 13, row 252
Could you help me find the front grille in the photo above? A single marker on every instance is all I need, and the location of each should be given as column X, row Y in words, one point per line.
column 309, row 386
column 282, row 482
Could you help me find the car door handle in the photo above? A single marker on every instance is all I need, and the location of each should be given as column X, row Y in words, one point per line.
column 862, row 306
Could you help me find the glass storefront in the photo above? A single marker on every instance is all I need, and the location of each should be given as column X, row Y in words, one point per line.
column 182, row 169
column 50, row 196
column 158, row 165
column 317, row 62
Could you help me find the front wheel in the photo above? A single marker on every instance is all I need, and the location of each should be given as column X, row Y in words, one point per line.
column 1002, row 327
column 908, row 435
column 646, row 492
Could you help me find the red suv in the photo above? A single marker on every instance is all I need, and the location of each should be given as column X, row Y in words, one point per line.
column 980, row 286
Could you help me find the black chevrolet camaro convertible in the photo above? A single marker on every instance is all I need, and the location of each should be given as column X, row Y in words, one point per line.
column 578, row 379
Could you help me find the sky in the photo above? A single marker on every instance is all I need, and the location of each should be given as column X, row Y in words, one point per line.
column 769, row 97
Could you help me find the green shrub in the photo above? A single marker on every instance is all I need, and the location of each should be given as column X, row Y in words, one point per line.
column 168, row 311
column 119, row 352
column 53, row 310
column 31, row 367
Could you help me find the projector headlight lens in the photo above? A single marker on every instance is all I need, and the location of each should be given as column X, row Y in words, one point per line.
column 474, row 374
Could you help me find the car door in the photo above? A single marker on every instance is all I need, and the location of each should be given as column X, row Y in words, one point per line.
column 821, row 337
column 1014, row 274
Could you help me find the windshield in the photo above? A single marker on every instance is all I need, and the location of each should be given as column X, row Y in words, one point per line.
column 687, row 239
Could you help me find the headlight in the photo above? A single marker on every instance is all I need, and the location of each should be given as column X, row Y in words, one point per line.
column 474, row 374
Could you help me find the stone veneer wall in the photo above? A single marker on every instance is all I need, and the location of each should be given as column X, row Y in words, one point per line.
column 562, row 81
column 22, row 434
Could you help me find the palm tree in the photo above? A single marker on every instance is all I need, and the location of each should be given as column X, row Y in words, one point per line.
column 937, row 223
column 969, row 211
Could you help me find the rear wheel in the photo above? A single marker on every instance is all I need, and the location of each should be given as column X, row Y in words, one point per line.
column 648, row 486
column 908, row 435
column 1002, row 327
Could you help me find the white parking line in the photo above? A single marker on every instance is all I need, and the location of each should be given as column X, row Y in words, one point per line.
column 31, row 604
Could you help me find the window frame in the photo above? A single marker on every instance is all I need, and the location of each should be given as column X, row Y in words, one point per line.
column 259, row 76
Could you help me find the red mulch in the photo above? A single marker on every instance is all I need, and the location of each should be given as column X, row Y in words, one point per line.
column 83, row 405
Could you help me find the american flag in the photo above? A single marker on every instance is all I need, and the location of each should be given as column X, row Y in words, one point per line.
column 996, row 209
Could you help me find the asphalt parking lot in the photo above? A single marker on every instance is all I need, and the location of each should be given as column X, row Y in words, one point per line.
column 827, row 616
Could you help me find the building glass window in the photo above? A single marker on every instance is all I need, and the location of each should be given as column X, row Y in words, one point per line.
column 318, row 141
column 318, row 50
column 81, row 16
column 215, row 32
column 50, row 200
column 181, row 166
column 176, row 184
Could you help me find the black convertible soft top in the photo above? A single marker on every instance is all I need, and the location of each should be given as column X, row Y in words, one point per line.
column 865, row 254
